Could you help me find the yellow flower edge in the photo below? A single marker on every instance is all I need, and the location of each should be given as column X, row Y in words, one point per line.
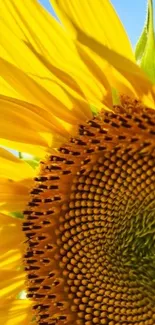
column 60, row 77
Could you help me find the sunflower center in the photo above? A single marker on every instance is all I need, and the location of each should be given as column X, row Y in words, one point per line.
column 90, row 224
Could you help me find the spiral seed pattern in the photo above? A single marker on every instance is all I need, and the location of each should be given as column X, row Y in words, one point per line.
column 90, row 224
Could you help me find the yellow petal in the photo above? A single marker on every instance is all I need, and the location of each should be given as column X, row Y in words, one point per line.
column 12, row 275
column 14, row 167
column 14, row 194
column 37, row 95
column 135, row 77
column 10, row 259
column 7, row 89
column 34, row 150
column 11, row 245
column 39, row 68
column 97, row 19
column 16, row 179
column 55, row 59
column 11, row 283
column 81, row 20
column 18, row 312
column 29, row 124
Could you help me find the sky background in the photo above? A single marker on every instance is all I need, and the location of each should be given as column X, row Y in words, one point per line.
column 131, row 12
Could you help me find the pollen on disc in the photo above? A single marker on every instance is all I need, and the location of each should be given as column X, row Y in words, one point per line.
column 90, row 224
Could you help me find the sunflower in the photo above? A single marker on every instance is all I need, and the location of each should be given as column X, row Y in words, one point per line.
column 78, row 212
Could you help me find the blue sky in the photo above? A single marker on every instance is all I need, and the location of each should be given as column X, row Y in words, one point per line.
column 131, row 12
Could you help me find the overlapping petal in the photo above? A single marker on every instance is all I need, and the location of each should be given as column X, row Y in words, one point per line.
column 38, row 95
column 97, row 19
column 16, row 179
column 108, row 50
column 12, row 166
column 16, row 312
column 52, row 57
column 130, row 71
column 30, row 124
column 34, row 150
column 13, row 311
column 14, row 194
column 12, row 276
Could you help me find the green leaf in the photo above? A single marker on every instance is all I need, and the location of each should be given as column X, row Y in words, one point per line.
column 29, row 159
column 17, row 214
column 115, row 97
column 94, row 110
column 140, row 46
column 145, row 48
column 32, row 162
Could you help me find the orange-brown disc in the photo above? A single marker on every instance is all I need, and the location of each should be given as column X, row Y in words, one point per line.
column 90, row 224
